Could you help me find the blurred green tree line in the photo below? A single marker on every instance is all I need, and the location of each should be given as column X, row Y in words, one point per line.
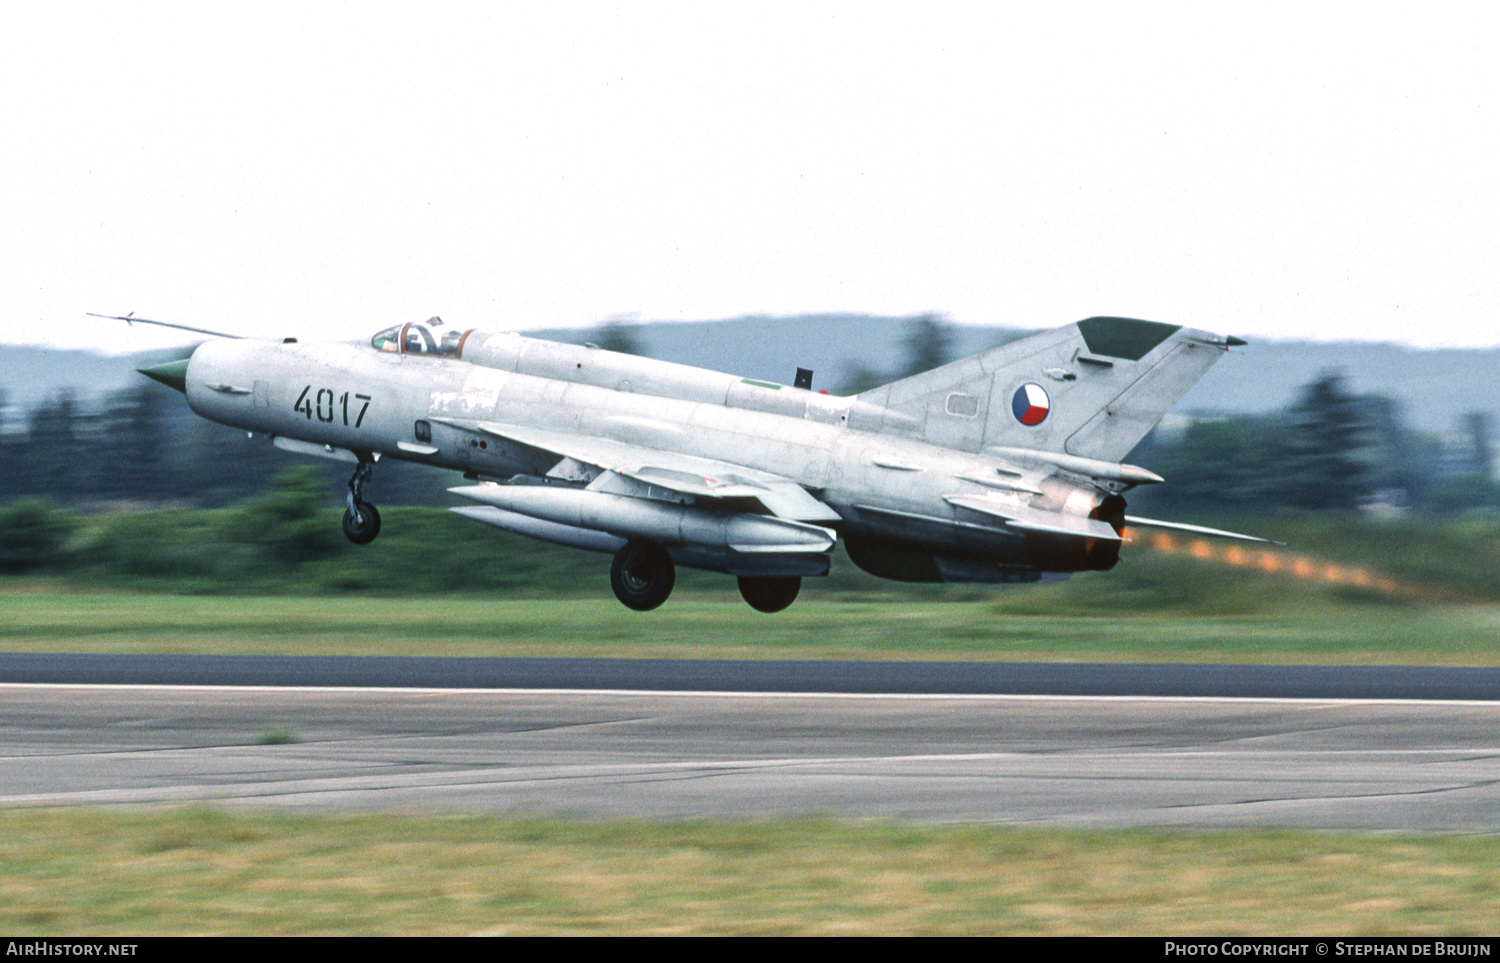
column 1331, row 450
column 145, row 447
column 286, row 540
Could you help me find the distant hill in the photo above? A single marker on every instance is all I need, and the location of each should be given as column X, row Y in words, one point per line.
column 1435, row 387
column 30, row 376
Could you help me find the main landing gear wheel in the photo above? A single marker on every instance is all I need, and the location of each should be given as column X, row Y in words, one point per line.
column 362, row 523
column 642, row 575
column 770, row 593
column 361, row 520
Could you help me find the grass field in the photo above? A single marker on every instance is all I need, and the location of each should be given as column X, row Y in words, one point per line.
column 1344, row 590
column 200, row 871
column 1023, row 626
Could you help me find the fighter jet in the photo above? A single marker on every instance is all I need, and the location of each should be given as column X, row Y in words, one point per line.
column 1002, row 467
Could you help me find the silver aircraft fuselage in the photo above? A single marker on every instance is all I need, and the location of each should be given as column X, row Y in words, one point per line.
column 1002, row 467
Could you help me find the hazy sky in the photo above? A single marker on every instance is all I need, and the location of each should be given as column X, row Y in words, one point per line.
column 324, row 170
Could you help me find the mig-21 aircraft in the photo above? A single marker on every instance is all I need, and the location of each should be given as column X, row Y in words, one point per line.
column 1002, row 467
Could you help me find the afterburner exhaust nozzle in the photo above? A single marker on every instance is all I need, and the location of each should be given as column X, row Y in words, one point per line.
column 173, row 374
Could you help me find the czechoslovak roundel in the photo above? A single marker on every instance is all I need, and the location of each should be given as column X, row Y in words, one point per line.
column 1030, row 404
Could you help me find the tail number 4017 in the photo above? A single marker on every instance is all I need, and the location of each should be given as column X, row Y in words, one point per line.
column 327, row 406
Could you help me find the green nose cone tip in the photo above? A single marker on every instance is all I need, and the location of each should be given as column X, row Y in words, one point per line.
column 173, row 374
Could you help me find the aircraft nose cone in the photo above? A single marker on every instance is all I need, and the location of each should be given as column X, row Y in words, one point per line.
column 173, row 374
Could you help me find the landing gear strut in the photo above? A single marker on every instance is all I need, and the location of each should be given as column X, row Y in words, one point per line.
column 769, row 593
column 642, row 575
column 361, row 520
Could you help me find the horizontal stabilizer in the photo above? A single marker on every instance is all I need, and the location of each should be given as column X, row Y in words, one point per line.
column 1091, row 467
column 1031, row 519
column 1139, row 522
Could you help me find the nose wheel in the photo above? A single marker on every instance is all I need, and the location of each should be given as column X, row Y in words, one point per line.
column 361, row 523
column 361, row 520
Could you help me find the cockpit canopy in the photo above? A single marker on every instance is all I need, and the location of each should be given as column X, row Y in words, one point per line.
column 428, row 337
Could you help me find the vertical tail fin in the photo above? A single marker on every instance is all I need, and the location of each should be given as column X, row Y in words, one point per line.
column 1092, row 389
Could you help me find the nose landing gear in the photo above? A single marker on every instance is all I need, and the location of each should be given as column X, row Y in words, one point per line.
column 361, row 520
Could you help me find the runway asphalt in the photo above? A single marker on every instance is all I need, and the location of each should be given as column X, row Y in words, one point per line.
column 708, row 675
column 1075, row 761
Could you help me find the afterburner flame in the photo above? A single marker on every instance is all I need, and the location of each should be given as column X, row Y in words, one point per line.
column 1274, row 562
